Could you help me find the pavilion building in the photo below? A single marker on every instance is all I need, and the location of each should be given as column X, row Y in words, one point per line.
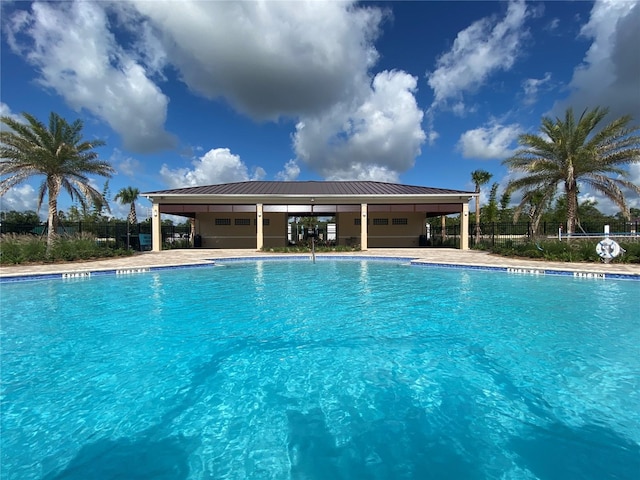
column 257, row 214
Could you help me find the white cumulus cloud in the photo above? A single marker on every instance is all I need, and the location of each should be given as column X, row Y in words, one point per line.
column 375, row 138
column 78, row 57
column 483, row 48
column 267, row 59
column 609, row 73
column 218, row 165
column 489, row 143
column 290, row 172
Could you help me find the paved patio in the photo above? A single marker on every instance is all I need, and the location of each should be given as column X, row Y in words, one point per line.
column 201, row 256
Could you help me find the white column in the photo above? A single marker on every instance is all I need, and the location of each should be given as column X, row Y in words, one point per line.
column 363, row 227
column 156, row 231
column 464, row 227
column 260, row 229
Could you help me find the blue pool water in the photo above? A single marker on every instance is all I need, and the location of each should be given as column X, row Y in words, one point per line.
column 333, row 370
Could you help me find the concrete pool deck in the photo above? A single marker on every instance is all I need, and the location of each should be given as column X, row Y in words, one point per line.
column 440, row 256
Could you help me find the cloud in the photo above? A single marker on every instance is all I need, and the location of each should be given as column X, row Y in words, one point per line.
column 375, row 138
column 5, row 111
column 130, row 167
column 218, row 165
column 531, row 86
column 290, row 172
column 483, row 48
column 20, row 198
column 634, row 176
column 552, row 25
column 489, row 143
column 126, row 165
column 608, row 75
column 79, row 58
column 267, row 59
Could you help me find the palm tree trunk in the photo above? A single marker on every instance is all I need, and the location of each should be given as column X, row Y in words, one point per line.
column 477, row 216
column 133, row 218
column 52, row 223
column 572, row 207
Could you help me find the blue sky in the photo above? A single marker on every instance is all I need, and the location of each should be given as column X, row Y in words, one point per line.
column 422, row 93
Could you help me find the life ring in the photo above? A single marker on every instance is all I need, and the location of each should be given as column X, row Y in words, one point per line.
column 608, row 249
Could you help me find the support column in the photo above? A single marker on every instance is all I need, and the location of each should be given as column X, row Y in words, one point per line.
column 464, row 227
column 156, row 231
column 260, row 229
column 363, row 227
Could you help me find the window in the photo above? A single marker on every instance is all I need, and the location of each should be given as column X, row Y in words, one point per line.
column 381, row 221
column 223, row 221
column 357, row 221
column 265, row 221
column 243, row 221
column 399, row 221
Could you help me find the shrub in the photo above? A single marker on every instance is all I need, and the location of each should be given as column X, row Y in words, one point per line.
column 25, row 248
column 302, row 248
column 576, row 250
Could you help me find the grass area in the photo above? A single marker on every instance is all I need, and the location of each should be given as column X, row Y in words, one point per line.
column 576, row 250
column 19, row 249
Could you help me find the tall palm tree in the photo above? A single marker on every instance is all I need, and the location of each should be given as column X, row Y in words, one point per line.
column 56, row 152
column 479, row 178
column 568, row 152
column 129, row 195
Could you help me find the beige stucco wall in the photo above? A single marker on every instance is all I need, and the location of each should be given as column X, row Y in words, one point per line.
column 226, row 236
column 348, row 232
column 390, row 235
column 275, row 233
column 240, row 236
column 382, row 236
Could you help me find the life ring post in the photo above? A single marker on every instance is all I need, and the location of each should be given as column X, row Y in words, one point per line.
column 608, row 249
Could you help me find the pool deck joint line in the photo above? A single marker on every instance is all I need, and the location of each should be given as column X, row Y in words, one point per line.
column 196, row 258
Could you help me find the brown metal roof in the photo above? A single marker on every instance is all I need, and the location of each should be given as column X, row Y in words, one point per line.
column 309, row 188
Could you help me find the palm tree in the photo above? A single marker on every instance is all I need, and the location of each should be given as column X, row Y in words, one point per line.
column 568, row 152
column 56, row 152
column 129, row 195
column 479, row 178
column 535, row 202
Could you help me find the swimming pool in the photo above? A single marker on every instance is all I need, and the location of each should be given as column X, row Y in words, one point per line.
column 338, row 369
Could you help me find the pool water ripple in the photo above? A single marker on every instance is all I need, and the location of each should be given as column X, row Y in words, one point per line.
column 355, row 369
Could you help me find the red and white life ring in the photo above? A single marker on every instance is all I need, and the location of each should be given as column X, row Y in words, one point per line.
column 608, row 249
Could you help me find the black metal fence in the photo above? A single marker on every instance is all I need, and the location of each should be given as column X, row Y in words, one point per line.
column 117, row 234
column 501, row 233
column 121, row 234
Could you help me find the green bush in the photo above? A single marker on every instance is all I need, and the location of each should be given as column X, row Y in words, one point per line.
column 25, row 248
column 302, row 248
column 576, row 250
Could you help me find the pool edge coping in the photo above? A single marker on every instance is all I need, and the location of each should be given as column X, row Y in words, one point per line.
column 521, row 270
